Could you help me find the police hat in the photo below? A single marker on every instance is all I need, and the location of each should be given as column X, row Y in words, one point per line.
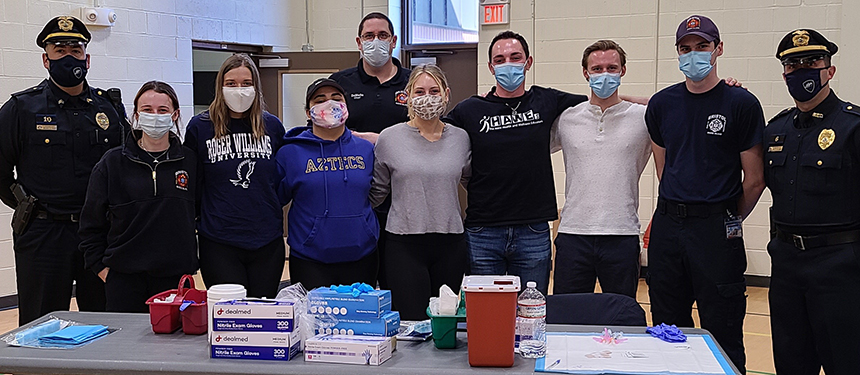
column 318, row 84
column 63, row 30
column 804, row 42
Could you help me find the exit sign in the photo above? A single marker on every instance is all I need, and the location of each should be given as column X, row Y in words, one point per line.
column 495, row 12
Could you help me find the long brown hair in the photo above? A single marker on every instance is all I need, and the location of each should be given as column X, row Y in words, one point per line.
column 219, row 113
column 161, row 88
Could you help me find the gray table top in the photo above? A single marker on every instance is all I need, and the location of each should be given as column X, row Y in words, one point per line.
column 135, row 349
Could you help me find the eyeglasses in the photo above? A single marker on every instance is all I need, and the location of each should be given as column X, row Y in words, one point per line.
column 802, row 62
column 383, row 36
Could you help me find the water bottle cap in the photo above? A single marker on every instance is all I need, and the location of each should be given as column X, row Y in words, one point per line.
column 531, row 284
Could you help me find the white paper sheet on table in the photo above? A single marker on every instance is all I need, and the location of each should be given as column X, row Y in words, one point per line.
column 579, row 353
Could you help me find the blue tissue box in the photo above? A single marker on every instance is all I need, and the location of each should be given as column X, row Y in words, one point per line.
column 387, row 325
column 374, row 304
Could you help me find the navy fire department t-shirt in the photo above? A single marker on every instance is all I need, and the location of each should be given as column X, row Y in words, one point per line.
column 703, row 135
column 512, row 179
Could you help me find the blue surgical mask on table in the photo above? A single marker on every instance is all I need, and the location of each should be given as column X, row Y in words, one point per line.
column 604, row 84
column 510, row 75
column 804, row 84
column 155, row 125
column 376, row 52
column 696, row 64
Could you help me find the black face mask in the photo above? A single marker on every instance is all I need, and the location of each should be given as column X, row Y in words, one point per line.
column 804, row 84
column 68, row 71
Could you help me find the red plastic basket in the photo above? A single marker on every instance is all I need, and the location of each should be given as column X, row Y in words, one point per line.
column 194, row 317
column 165, row 317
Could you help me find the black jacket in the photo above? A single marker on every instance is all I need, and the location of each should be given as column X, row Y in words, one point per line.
column 139, row 217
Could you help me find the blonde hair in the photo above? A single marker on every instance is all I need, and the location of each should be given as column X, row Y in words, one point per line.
column 219, row 113
column 434, row 72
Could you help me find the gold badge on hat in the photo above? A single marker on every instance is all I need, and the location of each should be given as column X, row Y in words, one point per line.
column 102, row 120
column 826, row 138
column 65, row 23
column 800, row 38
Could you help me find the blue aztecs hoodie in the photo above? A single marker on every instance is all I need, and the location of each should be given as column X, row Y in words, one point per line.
column 331, row 220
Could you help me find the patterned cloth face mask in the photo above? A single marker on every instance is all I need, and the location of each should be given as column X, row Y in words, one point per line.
column 428, row 106
column 329, row 114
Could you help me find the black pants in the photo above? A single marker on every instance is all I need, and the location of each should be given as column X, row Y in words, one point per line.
column 128, row 292
column 313, row 274
column 814, row 300
column 582, row 259
column 382, row 216
column 690, row 259
column 47, row 261
column 259, row 270
column 419, row 264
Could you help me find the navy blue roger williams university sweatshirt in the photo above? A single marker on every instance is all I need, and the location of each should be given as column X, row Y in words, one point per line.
column 331, row 219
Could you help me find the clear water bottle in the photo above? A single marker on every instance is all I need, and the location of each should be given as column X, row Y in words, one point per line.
column 531, row 322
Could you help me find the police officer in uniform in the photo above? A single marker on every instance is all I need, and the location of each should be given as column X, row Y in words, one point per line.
column 812, row 164
column 52, row 135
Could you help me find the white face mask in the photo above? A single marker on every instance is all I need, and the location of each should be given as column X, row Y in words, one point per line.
column 155, row 125
column 239, row 99
column 376, row 52
column 329, row 114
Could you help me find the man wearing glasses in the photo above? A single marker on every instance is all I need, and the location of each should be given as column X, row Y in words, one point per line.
column 375, row 95
column 811, row 162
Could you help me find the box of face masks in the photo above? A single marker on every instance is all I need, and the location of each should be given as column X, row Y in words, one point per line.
column 256, row 345
column 362, row 350
column 387, row 325
column 254, row 315
column 375, row 303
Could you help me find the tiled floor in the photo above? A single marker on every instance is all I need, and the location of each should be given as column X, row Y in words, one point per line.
column 756, row 326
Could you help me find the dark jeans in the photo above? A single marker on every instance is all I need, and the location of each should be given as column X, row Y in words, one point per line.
column 47, row 262
column 259, row 270
column 128, row 292
column 582, row 259
column 418, row 264
column 690, row 260
column 814, row 299
column 521, row 250
column 313, row 274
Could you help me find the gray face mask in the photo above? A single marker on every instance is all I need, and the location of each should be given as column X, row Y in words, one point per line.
column 155, row 125
column 376, row 52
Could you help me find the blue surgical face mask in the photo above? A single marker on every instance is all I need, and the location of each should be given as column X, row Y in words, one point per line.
column 510, row 75
column 696, row 64
column 604, row 84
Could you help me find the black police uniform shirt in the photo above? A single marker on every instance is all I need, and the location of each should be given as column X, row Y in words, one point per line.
column 811, row 167
column 512, row 178
column 374, row 106
column 53, row 140
column 703, row 135
column 139, row 214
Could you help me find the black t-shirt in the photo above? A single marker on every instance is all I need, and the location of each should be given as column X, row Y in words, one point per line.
column 512, row 179
column 374, row 106
column 703, row 135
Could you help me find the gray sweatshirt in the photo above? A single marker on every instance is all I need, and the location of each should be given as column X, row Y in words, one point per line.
column 422, row 178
